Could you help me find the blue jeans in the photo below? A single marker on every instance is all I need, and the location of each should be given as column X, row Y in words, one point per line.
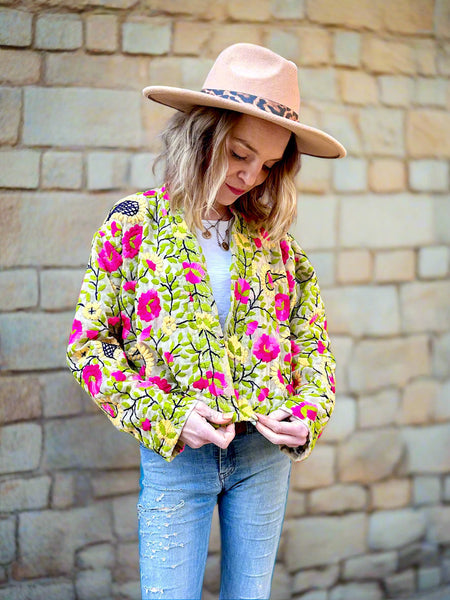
column 249, row 482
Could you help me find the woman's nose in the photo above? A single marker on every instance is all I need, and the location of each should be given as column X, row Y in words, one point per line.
column 249, row 176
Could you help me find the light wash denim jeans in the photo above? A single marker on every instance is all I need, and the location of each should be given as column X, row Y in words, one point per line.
column 249, row 482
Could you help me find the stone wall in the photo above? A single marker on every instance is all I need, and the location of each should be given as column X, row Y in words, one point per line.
column 369, row 513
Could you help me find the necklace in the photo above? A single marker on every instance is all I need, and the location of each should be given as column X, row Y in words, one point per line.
column 223, row 239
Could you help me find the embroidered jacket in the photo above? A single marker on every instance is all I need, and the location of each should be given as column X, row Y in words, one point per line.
column 146, row 342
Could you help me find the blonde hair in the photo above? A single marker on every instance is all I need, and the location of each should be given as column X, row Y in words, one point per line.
column 196, row 164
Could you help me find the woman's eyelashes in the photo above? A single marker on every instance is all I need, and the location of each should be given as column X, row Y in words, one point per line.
column 237, row 156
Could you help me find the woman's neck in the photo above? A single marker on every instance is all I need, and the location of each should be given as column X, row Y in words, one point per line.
column 219, row 213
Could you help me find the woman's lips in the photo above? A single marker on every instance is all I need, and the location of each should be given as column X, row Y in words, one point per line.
column 234, row 190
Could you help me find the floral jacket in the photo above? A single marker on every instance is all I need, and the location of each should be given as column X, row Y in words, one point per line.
column 146, row 342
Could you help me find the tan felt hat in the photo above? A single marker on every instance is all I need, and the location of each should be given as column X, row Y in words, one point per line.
column 255, row 81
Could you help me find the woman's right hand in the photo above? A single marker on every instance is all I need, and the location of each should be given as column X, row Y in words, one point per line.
column 198, row 431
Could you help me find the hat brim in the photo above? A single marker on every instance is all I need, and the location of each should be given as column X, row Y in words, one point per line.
column 310, row 140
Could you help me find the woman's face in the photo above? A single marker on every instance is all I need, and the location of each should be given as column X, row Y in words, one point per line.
column 253, row 147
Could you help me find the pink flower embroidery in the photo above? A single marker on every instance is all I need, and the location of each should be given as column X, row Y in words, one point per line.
column 258, row 242
column 200, row 384
column 146, row 425
column 266, row 348
column 282, row 307
column 145, row 334
column 162, row 384
column 149, row 305
column 129, row 285
column 114, row 228
column 92, row 377
column 251, row 327
column 109, row 409
column 216, row 382
column 132, row 241
column 242, row 291
column 288, row 357
column 332, row 384
column 169, row 357
column 263, row 394
column 113, row 321
column 126, row 325
column 284, row 251
column 108, row 258
column 305, row 411
column 291, row 281
column 150, row 192
column 321, row 347
column 76, row 331
column 193, row 271
column 295, row 348
column 119, row 375
column 92, row 334
column 290, row 388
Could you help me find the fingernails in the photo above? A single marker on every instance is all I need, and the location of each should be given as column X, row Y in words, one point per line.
column 227, row 415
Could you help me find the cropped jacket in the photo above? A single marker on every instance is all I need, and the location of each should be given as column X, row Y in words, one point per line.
column 146, row 341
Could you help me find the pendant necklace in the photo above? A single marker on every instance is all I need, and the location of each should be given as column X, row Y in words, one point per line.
column 223, row 240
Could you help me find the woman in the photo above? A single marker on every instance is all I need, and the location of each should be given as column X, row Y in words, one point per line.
column 200, row 329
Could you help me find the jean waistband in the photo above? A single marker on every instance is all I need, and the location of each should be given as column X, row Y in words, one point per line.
column 244, row 427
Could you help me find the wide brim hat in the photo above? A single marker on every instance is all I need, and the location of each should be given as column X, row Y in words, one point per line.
column 255, row 81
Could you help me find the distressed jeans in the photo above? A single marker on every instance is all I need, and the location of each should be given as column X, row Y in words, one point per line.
column 249, row 482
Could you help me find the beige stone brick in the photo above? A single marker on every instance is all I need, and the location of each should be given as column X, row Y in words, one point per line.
column 189, row 37
column 408, row 16
column 442, row 216
column 307, row 579
column 315, row 227
column 343, row 420
column 369, row 456
column 19, row 66
column 307, row 46
column 62, row 170
column 285, row 42
column 431, row 92
column 18, row 289
column 349, row 13
column 227, row 34
column 107, row 170
column 393, row 493
column 396, row 90
column 20, row 447
column 81, row 116
column 423, row 457
column 363, row 310
column 426, row 490
column 338, row 499
column 442, row 410
column 434, row 262
column 15, row 27
column 428, row 133
column 387, row 175
column 196, row 8
column 93, row 582
column 194, row 71
column 395, row 221
column 443, row 60
column 376, row 363
column 323, row 263
column 401, row 584
column 318, row 471
column 428, row 175
column 371, row 566
column 25, row 494
column 314, row 175
column 288, row 9
column 383, row 131
column 378, row 410
column 20, row 398
column 356, row 591
column 343, row 124
column 58, row 32
column 319, row 84
column 441, row 355
column 19, row 169
column 358, row 87
column 386, row 56
column 389, row 529
column 102, row 33
column 425, row 306
column 398, row 265
column 109, row 3
column 8, row 540
column 350, row 175
column 153, row 117
column 146, row 36
column 60, row 288
column 250, row 10
column 10, row 109
column 315, row 541
column 442, row 18
column 425, row 52
column 141, row 173
column 347, row 48
column 354, row 266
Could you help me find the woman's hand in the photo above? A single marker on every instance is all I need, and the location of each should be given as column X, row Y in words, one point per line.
column 198, row 431
column 278, row 430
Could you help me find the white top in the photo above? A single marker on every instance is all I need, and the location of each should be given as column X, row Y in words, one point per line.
column 218, row 262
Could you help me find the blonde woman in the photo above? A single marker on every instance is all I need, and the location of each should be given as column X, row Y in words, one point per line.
column 201, row 331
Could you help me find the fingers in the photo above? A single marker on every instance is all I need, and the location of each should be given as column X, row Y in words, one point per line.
column 198, row 431
column 213, row 416
column 288, row 433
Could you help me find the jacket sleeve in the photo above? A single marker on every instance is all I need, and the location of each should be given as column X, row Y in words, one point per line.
column 148, row 408
column 313, row 366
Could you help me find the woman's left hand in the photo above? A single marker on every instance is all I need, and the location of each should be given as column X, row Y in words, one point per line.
column 279, row 429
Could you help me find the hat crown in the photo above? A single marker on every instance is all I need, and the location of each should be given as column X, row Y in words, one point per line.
column 251, row 69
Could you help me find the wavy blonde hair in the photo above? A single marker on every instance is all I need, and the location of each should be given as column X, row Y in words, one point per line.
column 196, row 164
